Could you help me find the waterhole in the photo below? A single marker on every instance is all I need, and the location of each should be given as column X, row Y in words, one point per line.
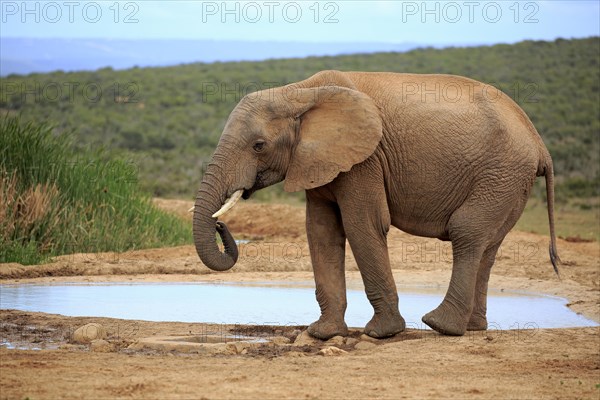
column 266, row 304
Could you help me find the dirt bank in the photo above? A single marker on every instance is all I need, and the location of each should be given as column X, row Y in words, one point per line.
column 547, row 363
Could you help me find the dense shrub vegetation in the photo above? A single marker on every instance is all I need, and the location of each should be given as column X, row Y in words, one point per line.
column 167, row 121
column 54, row 200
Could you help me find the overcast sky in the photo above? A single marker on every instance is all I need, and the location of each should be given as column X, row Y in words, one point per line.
column 434, row 22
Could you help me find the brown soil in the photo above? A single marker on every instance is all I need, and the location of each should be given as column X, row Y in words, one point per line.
column 543, row 363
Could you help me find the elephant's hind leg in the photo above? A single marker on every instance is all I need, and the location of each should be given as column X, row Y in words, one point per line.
column 469, row 232
column 327, row 243
column 478, row 320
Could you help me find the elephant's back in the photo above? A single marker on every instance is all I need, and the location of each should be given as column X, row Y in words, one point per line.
column 456, row 114
column 442, row 98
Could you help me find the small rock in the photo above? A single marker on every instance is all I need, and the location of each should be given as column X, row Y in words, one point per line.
column 101, row 346
column 364, row 346
column 368, row 338
column 304, row 339
column 88, row 332
column 231, row 348
column 335, row 341
column 215, row 348
column 280, row 340
column 350, row 341
column 331, row 351
column 293, row 334
column 238, row 347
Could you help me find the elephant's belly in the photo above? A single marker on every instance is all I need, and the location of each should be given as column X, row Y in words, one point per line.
column 421, row 218
column 426, row 210
column 420, row 228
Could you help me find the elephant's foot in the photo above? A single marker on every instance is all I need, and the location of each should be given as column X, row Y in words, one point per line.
column 446, row 320
column 326, row 329
column 382, row 326
column 477, row 323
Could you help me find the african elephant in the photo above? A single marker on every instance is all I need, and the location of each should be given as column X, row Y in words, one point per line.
column 438, row 156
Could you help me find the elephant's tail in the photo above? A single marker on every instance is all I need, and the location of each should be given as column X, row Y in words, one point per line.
column 548, row 171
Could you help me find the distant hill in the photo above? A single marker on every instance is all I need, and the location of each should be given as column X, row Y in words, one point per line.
column 24, row 56
column 168, row 120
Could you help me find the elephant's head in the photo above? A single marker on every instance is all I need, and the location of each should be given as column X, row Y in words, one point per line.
column 304, row 133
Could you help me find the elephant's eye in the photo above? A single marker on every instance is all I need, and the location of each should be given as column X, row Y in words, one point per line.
column 259, row 146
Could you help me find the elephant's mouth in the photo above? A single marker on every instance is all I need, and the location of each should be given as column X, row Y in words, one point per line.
column 259, row 183
column 247, row 193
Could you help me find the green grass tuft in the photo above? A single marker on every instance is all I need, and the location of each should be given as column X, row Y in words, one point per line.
column 57, row 200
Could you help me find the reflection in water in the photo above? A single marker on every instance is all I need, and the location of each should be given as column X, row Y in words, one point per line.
column 265, row 303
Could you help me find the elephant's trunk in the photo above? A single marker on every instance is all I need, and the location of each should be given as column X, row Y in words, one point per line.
column 209, row 200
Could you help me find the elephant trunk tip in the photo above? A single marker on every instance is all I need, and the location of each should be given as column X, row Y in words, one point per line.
column 229, row 243
column 209, row 253
column 207, row 208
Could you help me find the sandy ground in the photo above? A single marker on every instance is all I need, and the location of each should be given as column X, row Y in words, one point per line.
column 544, row 363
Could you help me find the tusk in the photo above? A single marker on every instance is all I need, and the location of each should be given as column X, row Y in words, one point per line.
column 229, row 203
column 192, row 209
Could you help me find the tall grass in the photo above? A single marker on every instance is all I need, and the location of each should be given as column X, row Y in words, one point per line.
column 56, row 200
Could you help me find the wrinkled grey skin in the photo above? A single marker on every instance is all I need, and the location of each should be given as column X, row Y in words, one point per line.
column 434, row 155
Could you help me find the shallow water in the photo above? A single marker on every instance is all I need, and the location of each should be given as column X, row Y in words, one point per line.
column 279, row 303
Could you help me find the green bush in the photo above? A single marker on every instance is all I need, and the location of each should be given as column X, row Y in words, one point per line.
column 579, row 187
column 57, row 200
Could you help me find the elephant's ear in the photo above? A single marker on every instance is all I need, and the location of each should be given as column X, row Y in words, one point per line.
column 339, row 127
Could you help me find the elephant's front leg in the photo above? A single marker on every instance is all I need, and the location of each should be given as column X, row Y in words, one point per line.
column 327, row 243
column 366, row 223
column 369, row 246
